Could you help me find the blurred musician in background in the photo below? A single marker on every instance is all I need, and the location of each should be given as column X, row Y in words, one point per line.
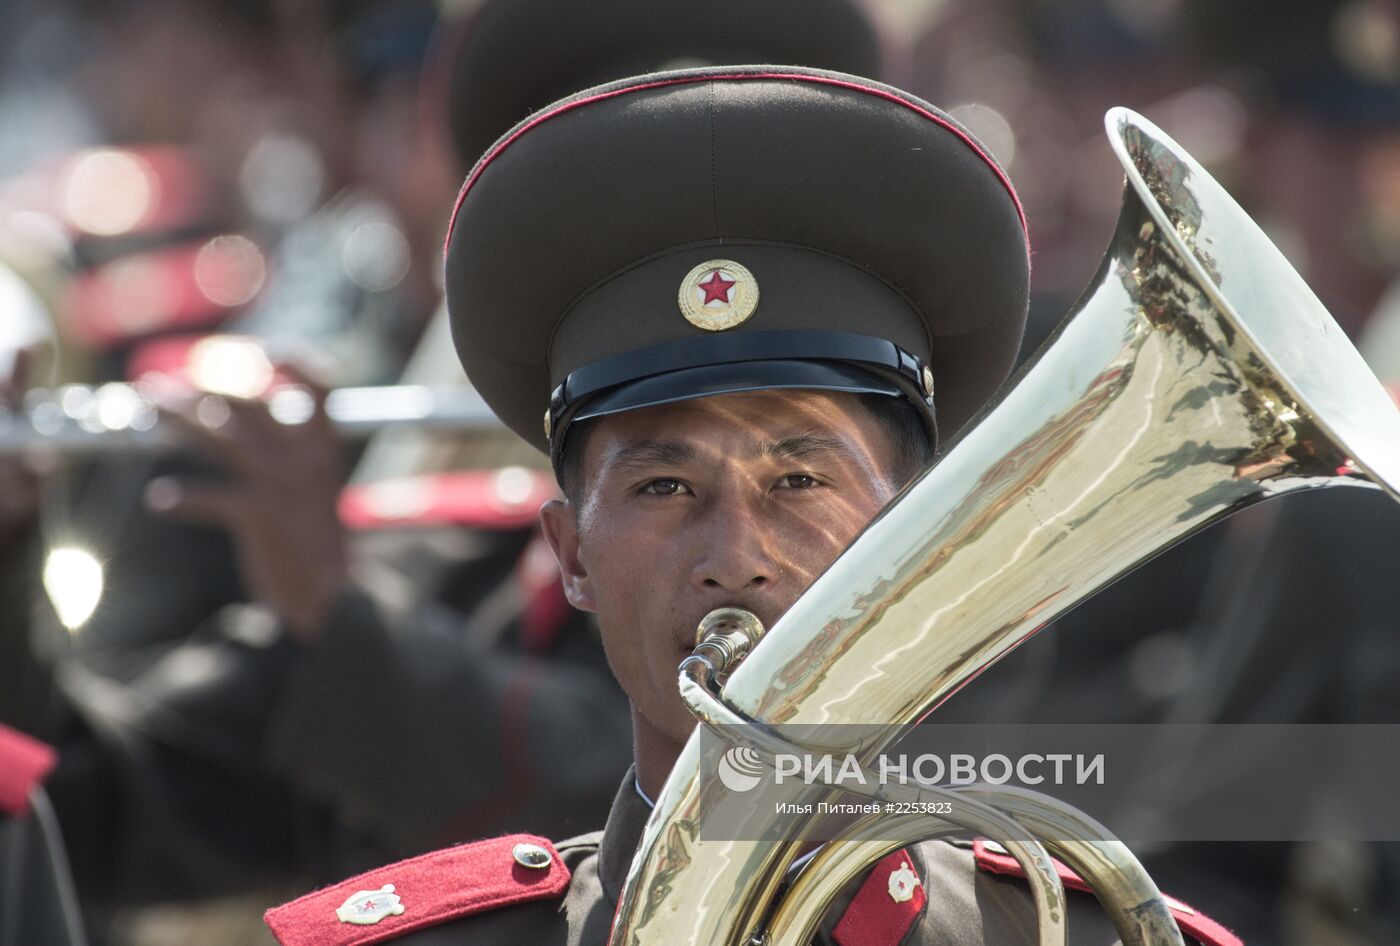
column 405, row 671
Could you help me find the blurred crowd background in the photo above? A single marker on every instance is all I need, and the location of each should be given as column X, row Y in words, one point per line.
column 178, row 174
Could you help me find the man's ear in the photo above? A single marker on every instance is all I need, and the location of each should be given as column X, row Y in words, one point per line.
column 561, row 532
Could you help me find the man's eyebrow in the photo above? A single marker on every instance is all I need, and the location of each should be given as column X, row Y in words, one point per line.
column 664, row 453
column 654, row 453
column 804, row 447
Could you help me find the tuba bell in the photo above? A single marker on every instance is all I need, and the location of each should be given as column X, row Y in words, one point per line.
column 1197, row 375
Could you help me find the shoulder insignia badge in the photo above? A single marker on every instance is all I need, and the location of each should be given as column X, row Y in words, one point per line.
column 886, row 905
column 423, row 891
column 23, row 764
column 993, row 859
column 902, row 883
column 370, row 906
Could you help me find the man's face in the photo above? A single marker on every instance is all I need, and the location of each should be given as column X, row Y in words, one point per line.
column 732, row 500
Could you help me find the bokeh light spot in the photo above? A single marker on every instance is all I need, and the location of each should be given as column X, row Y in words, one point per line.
column 991, row 128
column 1366, row 36
column 73, row 580
column 226, row 364
column 230, row 270
column 108, row 192
column 376, row 256
column 281, row 178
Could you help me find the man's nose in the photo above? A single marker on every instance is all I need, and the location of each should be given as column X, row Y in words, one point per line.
column 734, row 550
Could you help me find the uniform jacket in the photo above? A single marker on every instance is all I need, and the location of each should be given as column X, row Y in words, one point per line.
column 959, row 901
column 426, row 714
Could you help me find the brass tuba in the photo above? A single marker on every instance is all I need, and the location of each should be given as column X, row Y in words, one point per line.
column 1197, row 375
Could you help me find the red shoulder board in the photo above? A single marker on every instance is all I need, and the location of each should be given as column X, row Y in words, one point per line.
column 1192, row 921
column 23, row 764
column 423, row 891
column 886, row 905
column 509, row 498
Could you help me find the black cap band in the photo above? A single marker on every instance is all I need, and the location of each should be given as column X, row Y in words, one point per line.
column 717, row 364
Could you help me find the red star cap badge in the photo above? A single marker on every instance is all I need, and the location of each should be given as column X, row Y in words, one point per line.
column 716, row 288
column 721, row 281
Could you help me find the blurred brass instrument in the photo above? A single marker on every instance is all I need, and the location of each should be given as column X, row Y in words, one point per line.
column 82, row 420
column 1197, row 375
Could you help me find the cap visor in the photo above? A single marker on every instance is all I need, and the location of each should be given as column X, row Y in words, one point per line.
column 733, row 378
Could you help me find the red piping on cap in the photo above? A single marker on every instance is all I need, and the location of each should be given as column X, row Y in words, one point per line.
column 737, row 76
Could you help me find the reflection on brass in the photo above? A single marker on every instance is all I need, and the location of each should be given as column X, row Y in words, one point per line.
column 1198, row 375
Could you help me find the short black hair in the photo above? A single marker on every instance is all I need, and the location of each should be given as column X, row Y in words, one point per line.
column 913, row 449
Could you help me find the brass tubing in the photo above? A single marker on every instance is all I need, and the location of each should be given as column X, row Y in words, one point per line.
column 1117, row 878
column 1197, row 376
column 795, row 919
column 968, row 814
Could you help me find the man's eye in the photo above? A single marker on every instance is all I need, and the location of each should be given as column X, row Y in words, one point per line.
column 797, row 481
column 665, row 488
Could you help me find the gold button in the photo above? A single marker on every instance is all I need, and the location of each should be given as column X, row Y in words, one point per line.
column 532, row 856
column 928, row 381
column 548, row 422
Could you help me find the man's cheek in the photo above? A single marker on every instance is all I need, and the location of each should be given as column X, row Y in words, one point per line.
column 624, row 658
column 808, row 550
column 827, row 536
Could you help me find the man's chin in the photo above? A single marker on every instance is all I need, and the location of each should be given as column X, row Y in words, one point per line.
column 675, row 722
